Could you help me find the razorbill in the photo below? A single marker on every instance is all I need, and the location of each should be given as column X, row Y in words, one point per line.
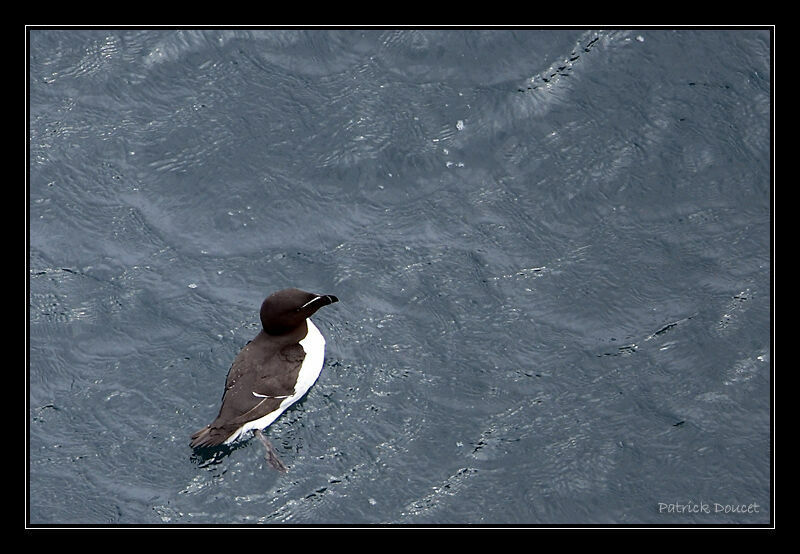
column 272, row 372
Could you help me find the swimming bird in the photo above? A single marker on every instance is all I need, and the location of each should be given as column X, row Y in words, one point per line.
column 272, row 371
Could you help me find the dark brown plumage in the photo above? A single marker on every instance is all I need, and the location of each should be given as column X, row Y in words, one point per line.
column 264, row 374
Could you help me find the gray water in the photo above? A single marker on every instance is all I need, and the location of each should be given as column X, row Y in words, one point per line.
column 551, row 250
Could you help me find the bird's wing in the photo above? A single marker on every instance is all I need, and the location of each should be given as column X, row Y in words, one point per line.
column 251, row 391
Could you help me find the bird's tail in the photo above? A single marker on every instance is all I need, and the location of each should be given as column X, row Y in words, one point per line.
column 208, row 436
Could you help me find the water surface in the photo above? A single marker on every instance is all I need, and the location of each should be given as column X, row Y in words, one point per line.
column 551, row 250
